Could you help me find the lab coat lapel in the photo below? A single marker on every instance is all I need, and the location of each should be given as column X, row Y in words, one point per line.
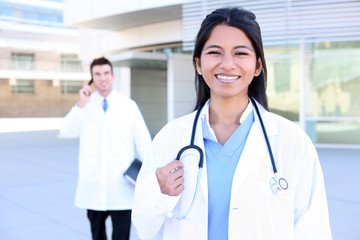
column 255, row 150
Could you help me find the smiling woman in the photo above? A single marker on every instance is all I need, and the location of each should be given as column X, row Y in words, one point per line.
column 244, row 146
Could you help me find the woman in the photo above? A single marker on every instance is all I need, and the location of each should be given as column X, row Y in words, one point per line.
column 234, row 199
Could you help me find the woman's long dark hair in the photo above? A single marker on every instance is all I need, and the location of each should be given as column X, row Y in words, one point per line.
column 241, row 19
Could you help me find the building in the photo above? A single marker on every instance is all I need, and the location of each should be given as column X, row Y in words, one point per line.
column 40, row 73
column 312, row 50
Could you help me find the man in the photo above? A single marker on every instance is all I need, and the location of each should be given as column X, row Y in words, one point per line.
column 112, row 133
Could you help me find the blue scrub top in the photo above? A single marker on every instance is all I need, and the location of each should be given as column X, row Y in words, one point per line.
column 221, row 162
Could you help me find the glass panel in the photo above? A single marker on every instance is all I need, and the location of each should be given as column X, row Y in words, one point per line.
column 22, row 61
column 172, row 50
column 332, row 90
column 334, row 81
column 71, row 87
column 23, row 86
column 283, row 84
column 6, row 12
column 70, row 63
column 29, row 14
column 337, row 132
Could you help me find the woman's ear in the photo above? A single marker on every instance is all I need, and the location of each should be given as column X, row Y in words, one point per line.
column 198, row 68
column 258, row 67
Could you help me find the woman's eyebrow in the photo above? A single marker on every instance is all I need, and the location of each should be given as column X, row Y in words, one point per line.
column 236, row 47
column 212, row 46
column 244, row 46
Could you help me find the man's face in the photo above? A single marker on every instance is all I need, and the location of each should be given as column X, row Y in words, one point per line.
column 103, row 79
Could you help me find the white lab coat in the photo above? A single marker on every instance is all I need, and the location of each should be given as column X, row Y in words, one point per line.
column 109, row 142
column 255, row 212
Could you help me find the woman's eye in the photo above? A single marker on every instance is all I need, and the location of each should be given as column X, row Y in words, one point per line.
column 213, row 52
column 240, row 53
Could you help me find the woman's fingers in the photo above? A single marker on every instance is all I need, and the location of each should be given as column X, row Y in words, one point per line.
column 170, row 178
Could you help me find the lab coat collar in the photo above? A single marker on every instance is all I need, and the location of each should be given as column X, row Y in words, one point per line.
column 271, row 127
column 205, row 113
column 96, row 95
column 205, row 119
column 98, row 100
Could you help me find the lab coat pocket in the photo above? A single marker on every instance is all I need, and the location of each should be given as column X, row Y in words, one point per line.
column 257, row 213
column 275, row 213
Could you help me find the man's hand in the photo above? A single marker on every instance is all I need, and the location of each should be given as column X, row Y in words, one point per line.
column 84, row 95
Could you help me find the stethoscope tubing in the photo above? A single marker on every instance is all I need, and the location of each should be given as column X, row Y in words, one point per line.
column 265, row 136
column 201, row 158
column 200, row 165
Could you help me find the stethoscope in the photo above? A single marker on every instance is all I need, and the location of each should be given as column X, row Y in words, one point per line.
column 278, row 184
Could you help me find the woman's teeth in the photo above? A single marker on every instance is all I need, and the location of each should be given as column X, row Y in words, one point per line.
column 227, row 78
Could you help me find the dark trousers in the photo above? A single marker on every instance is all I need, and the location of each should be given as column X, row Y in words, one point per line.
column 121, row 221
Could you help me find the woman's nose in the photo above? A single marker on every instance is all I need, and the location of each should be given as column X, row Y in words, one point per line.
column 227, row 62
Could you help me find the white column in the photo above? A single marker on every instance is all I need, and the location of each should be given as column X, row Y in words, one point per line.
column 170, row 88
column 302, row 107
column 122, row 80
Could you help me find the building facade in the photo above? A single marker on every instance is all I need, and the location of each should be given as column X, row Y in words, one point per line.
column 40, row 72
column 312, row 50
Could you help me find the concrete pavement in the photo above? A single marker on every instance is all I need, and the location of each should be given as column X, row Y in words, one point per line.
column 38, row 174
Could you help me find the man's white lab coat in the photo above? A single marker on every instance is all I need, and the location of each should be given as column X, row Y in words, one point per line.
column 109, row 142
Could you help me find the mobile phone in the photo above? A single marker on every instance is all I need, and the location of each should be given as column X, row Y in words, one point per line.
column 89, row 83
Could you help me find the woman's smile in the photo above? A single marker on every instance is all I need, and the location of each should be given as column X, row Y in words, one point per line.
column 226, row 78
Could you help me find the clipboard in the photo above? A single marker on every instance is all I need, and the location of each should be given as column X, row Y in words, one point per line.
column 133, row 170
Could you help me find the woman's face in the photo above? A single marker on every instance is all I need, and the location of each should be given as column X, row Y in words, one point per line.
column 228, row 63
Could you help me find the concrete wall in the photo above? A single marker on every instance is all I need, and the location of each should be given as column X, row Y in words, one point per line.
column 46, row 102
column 94, row 43
column 181, row 86
column 148, row 89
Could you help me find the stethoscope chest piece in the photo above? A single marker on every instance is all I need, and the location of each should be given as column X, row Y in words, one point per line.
column 278, row 185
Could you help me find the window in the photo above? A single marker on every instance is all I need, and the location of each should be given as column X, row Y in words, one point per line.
column 23, row 61
column 70, row 63
column 71, row 87
column 283, row 68
column 334, row 79
column 22, row 86
column 17, row 12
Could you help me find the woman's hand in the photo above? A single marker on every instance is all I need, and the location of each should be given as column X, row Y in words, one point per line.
column 170, row 178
